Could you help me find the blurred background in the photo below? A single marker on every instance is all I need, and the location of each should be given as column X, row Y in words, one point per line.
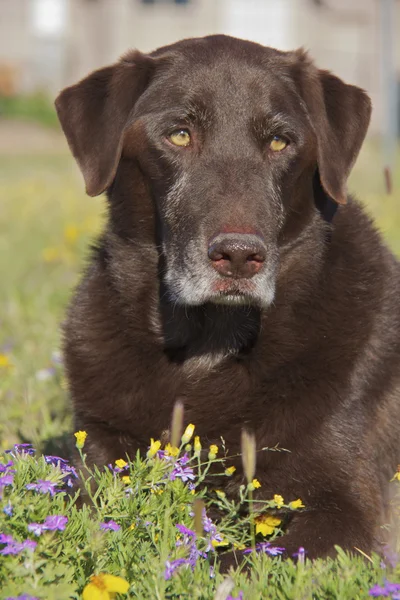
column 47, row 222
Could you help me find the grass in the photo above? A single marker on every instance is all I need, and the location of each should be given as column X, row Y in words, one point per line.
column 36, row 107
column 46, row 224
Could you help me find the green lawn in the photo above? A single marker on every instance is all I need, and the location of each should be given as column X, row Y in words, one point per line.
column 46, row 224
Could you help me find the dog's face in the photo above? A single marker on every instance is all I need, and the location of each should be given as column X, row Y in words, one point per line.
column 228, row 136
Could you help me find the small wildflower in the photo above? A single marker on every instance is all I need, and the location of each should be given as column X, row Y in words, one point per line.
column 230, row 471
column 5, row 362
column 278, row 501
column 104, row 587
column 183, row 473
column 256, row 484
column 43, row 486
column 154, row 448
column 80, row 439
column 14, row 547
column 220, row 494
column 45, row 374
column 8, row 509
column 126, row 480
column 51, row 254
column 213, row 452
column 300, row 555
column 171, row 450
column 132, row 527
column 266, row 548
column 240, row 597
column 110, row 526
column 6, row 479
column 248, row 445
column 266, row 524
column 187, row 434
column 170, row 568
column 296, row 504
column 397, row 474
column 121, row 463
column 197, row 445
column 71, row 234
column 51, row 523
column 22, row 449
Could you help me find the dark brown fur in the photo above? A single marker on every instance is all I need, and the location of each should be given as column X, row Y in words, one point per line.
column 316, row 368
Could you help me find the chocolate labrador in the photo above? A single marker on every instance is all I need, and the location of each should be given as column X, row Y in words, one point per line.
column 226, row 276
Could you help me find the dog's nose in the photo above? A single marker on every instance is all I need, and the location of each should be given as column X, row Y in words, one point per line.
column 237, row 255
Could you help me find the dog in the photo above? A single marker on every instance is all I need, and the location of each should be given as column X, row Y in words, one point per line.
column 235, row 272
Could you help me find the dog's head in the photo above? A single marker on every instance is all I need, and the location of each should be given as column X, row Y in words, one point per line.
column 229, row 136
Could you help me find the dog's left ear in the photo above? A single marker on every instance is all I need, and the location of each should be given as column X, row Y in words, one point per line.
column 340, row 114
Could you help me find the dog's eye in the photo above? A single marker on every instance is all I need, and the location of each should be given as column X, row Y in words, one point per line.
column 180, row 137
column 278, row 143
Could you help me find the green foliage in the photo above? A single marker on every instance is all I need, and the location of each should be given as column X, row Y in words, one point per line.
column 37, row 107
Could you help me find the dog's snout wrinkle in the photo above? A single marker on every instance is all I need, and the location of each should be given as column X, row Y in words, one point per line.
column 237, row 255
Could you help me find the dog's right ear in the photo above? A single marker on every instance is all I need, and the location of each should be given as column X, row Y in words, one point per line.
column 95, row 112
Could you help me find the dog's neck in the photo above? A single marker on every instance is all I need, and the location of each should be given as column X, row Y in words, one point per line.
column 208, row 330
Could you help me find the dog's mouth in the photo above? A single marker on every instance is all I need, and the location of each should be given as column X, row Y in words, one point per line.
column 233, row 292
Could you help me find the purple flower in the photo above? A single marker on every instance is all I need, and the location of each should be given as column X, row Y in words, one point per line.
column 267, row 548
column 43, row 486
column 56, row 461
column 36, row 528
column 56, row 522
column 240, row 597
column 300, row 555
column 14, row 547
column 110, row 526
column 183, row 473
column 23, row 597
column 6, row 480
column 6, row 539
column 22, row 449
column 8, row 510
column 385, row 591
column 172, row 566
column 51, row 523
column 7, row 468
column 69, row 472
column 186, row 531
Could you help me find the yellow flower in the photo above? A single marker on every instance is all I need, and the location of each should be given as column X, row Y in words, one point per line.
column 121, row 463
column 266, row 524
column 71, row 234
column 104, row 587
column 154, row 448
column 171, row 450
column 220, row 494
column 187, row 434
column 80, row 438
column 238, row 546
column 397, row 474
column 5, row 362
column 126, row 479
column 230, row 471
column 254, row 485
column 279, row 501
column 197, row 445
column 296, row 504
column 213, row 452
column 51, row 254
column 220, row 544
column 132, row 527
